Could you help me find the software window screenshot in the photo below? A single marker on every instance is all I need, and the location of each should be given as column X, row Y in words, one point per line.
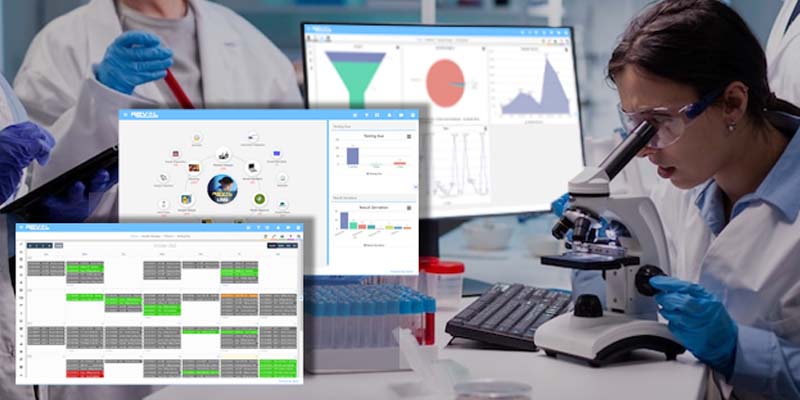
column 499, row 114
column 159, row 303
column 355, row 174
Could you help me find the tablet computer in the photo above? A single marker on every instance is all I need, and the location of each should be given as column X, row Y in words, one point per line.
column 25, row 206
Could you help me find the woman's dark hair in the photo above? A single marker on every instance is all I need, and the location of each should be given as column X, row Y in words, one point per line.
column 703, row 44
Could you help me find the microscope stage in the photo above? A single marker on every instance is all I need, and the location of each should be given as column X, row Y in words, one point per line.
column 589, row 261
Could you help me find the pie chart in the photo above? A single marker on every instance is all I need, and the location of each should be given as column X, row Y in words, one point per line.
column 445, row 83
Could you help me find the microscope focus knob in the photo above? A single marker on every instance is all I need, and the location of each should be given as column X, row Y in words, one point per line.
column 643, row 276
column 588, row 306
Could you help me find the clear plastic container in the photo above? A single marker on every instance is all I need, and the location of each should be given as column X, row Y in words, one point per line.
column 491, row 389
column 422, row 282
column 444, row 283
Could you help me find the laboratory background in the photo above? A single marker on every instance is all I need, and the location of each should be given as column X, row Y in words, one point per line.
column 509, row 248
column 597, row 24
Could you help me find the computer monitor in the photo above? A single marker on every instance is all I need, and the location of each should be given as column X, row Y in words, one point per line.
column 500, row 118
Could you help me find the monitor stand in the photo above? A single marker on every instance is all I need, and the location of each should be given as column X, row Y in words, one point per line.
column 428, row 238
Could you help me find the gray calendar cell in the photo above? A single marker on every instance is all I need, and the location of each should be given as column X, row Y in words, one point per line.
column 162, row 368
column 46, row 268
column 162, row 270
column 84, row 337
column 162, row 337
column 239, row 305
column 277, row 304
column 46, row 336
column 201, row 264
column 239, row 368
column 277, row 337
column 200, row 297
column 123, row 337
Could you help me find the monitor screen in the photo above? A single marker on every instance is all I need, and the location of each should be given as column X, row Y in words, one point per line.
column 499, row 111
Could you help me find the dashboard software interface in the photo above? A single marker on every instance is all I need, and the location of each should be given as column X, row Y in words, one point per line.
column 355, row 174
column 499, row 105
column 159, row 304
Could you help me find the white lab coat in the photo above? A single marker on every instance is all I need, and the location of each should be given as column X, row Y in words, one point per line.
column 783, row 55
column 240, row 67
column 752, row 266
column 11, row 112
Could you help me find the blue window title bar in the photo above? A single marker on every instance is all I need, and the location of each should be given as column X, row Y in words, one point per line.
column 162, row 227
column 277, row 114
column 421, row 30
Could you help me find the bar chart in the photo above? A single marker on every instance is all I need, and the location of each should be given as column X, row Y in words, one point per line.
column 345, row 223
column 361, row 228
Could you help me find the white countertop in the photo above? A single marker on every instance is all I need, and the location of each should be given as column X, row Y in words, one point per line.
column 649, row 376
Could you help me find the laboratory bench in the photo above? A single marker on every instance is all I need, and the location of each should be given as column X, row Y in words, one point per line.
column 647, row 375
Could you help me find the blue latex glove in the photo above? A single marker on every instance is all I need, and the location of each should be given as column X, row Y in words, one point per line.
column 79, row 201
column 134, row 58
column 560, row 204
column 699, row 321
column 20, row 144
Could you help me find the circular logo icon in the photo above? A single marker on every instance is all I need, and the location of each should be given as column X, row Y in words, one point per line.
column 282, row 179
column 260, row 200
column 222, row 189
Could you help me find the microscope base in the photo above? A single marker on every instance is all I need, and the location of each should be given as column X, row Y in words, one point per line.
column 604, row 340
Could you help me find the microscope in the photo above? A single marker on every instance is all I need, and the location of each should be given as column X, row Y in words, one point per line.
column 633, row 250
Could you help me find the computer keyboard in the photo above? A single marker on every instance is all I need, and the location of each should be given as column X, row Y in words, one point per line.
column 508, row 315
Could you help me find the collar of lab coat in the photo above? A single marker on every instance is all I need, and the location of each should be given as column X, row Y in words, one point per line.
column 779, row 37
column 779, row 189
column 217, row 45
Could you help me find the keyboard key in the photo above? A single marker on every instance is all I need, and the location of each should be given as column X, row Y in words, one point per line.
column 512, row 319
column 499, row 315
column 498, row 303
column 523, row 324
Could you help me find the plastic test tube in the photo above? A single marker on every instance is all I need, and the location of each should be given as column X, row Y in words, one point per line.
column 379, row 322
column 314, row 311
column 367, row 324
column 417, row 318
column 430, row 320
column 328, row 318
column 406, row 318
column 392, row 322
column 354, row 328
column 340, row 324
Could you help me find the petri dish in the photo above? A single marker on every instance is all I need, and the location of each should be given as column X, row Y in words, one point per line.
column 492, row 389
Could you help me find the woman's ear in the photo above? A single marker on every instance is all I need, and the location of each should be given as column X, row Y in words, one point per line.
column 734, row 102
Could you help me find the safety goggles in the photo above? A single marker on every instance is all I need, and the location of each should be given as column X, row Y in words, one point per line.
column 670, row 121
